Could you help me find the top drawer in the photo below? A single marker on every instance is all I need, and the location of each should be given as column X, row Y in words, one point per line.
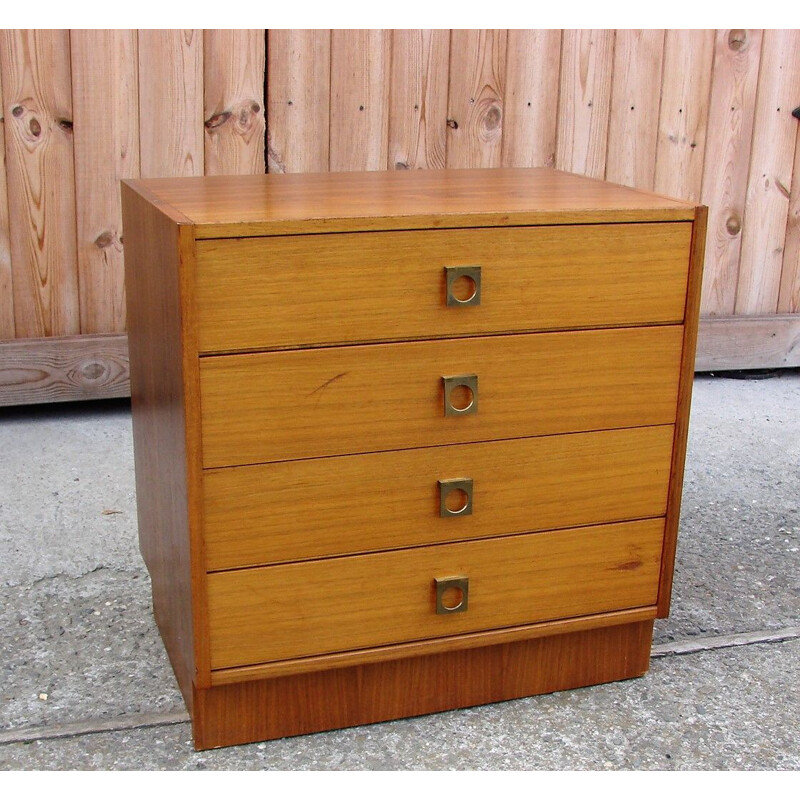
column 325, row 289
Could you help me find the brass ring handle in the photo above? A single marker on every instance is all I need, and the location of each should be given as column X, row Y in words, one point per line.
column 468, row 404
column 446, row 487
column 452, row 594
column 463, row 286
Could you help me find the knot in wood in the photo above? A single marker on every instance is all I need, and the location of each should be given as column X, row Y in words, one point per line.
column 216, row 120
column 737, row 39
column 492, row 118
column 733, row 225
column 92, row 370
column 35, row 127
column 105, row 239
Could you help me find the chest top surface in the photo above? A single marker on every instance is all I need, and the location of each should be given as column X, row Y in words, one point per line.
column 259, row 205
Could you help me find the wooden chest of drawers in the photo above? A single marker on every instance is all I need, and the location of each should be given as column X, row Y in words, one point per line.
column 405, row 442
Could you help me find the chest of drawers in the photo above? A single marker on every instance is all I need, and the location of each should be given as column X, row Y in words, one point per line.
column 405, row 442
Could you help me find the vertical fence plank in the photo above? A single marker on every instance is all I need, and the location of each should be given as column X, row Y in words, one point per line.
column 475, row 102
column 105, row 104
column 360, row 68
column 233, row 90
column 769, row 184
column 171, row 103
column 530, row 102
column 6, row 279
column 298, row 100
column 737, row 54
column 418, row 99
column 41, row 181
column 584, row 100
column 789, row 300
column 683, row 120
column 633, row 117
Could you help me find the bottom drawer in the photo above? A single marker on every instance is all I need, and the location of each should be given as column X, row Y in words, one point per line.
column 337, row 604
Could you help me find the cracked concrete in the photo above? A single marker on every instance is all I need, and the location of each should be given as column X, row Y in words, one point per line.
column 80, row 644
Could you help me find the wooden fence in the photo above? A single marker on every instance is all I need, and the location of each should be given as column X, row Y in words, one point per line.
column 698, row 114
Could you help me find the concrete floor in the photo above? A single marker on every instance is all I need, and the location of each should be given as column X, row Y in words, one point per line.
column 86, row 683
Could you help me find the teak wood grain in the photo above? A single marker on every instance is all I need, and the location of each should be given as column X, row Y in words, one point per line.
column 294, row 290
column 286, row 490
column 688, row 351
column 164, row 403
column 320, row 507
column 313, row 607
column 263, row 205
column 328, row 401
column 288, row 706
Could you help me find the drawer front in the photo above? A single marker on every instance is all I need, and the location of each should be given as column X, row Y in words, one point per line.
column 287, row 405
column 314, row 607
column 296, row 290
column 295, row 510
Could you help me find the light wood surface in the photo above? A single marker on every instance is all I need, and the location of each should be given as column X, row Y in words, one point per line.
column 418, row 99
column 64, row 368
column 289, row 511
column 246, row 712
column 737, row 56
column 633, row 117
column 359, row 126
column 584, row 100
column 789, row 298
column 475, row 98
column 531, row 93
column 770, row 178
column 760, row 342
column 257, row 205
column 682, row 413
column 105, row 98
column 288, row 291
column 35, row 71
column 274, row 406
column 683, row 116
column 233, row 89
column 286, row 611
column 298, row 100
column 6, row 277
column 171, row 102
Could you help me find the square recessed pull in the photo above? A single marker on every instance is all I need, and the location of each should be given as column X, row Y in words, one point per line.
column 460, row 395
column 455, row 497
column 452, row 594
column 463, row 286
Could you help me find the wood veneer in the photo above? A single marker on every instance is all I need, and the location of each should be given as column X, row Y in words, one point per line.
column 288, row 456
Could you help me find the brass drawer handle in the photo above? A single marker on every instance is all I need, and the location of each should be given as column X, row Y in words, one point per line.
column 460, row 395
column 463, row 286
column 455, row 497
column 452, row 594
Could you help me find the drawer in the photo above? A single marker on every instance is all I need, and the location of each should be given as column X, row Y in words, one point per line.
column 264, row 407
column 339, row 604
column 288, row 511
column 300, row 290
